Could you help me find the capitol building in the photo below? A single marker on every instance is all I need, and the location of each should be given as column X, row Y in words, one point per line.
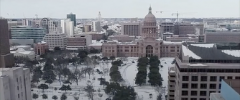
column 148, row 44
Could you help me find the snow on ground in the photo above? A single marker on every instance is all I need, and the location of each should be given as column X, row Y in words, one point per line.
column 78, row 89
column 128, row 72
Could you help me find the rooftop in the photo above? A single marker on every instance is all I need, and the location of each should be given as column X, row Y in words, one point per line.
column 234, row 84
column 210, row 51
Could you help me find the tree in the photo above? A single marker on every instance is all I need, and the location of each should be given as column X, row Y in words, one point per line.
column 112, row 58
column 35, row 77
column 48, row 66
column 43, row 86
column 159, row 97
column 57, row 48
column 54, row 97
column 65, row 88
column 49, row 75
column 76, row 98
column 63, row 97
column 155, row 78
column 77, row 74
column 66, row 72
column 82, row 54
column 49, row 81
column 142, row 71
column 35, row 96
column 125, row 93
column 105, row 27
column 115, row 74
column 89, row 89
column 44, row 96
column 112, row 87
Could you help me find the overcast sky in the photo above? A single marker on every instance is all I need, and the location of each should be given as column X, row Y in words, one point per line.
column 119, row 8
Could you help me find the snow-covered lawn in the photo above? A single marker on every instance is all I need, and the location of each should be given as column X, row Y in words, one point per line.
column 128, row 72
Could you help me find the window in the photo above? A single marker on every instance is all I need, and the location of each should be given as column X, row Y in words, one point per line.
column 184, row 99
column 203, row 78
column 194, row 78
column 184, row 93
column 213, row 78
column 193, row 93
column 17, row 79
column 229, row 77
column 185, row 78
column 203, row 86
column 219, row 86
column 221, row 77
column 18, row 96
column 203, row 93
column 193, row 99
column 194, row 86
column 17, row 87
column 212, row 86
column 237, row 77
column 185, row 85
column 202, row 99
column 171, row 90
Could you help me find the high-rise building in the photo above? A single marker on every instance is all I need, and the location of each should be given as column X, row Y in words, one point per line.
column 27, row 32
column 67, row 27
column 15, row 84
column 96, row 26
column 72, row 17
column 6, row 58
column 200, row 68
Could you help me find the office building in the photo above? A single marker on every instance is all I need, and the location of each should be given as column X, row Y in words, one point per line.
column 200, row 68
column 222, row 37
column 96, row 26
column 27, row 32
column 6, row 58
column 72, row 17
column 166, row 27
column 131, row 29
column 15, row 84
column 67, row 27
column 230, row 90
column 81, row 42
column 87, row 28
column 55, row 40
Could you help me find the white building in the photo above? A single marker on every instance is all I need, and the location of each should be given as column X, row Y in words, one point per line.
column 55, row 40
column 96, row 26
column 67, row 27
column 15, row 84
column 20, row 52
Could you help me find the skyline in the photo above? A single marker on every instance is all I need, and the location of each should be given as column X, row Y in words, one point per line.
column 123, row 9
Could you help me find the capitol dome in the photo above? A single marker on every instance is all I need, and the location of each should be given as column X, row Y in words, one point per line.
column 150, row 17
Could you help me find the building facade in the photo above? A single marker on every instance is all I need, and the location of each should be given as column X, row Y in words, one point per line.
column 72, row 17
column 200, row 68
column 27, row 32
column 222, row 37
column 6, row 58
column 40, row 48
column 15, row 84
column 167, row 27
column 67, row 27
column 81, row 42
column 149, row 44
column 96, row 26
column 131, row 29
column 55, row 40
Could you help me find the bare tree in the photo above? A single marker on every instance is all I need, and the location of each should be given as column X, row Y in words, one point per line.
column 77, row 75
column 90, row 90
